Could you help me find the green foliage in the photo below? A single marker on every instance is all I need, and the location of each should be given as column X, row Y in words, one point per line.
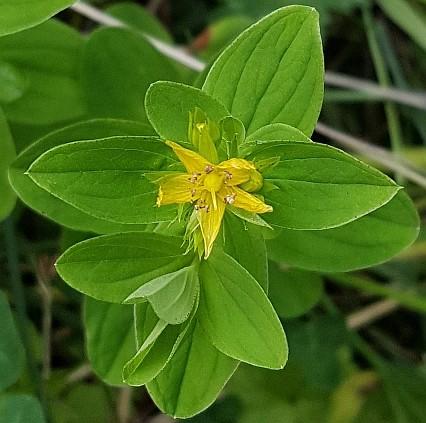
column 266, row 77
column 110, row 338
column 7, row 148
column 115, row 78
column 111, row 267
column 47, row 58
column 53, row 207
column 14, row 19
column 227, row 291
column 29, row 409
column 293, row 292
column 11, row 349
column 311, row 181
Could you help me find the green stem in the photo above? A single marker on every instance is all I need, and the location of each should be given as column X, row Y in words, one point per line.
column 17, row 290
column 391, row 111
column 410, row 300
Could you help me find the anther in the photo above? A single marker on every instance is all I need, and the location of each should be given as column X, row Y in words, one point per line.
column 229, row 199
column 208, row 169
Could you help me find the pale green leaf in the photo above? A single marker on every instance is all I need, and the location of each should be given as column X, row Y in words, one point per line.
column 318, row 186
column 106, row 178
column 168, row 105
column 7, row 155
column 11, row 349
column 237, row 315
column 194, row 376
column 365, row 242
column 110, row 338
column 273, row 72
column 115, row 78
column 172, row 296
column 49, row 205
column 293, row 292
column 19, row 408
column 111, row 267
column 16, row 16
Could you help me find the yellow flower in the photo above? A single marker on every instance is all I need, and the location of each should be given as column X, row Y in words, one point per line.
column 210, row 187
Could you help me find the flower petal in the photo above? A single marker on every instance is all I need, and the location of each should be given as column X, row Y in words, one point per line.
column 175, row 190
column 193, row 162
column 249, row 202
column 210, row 220
column 240, row 170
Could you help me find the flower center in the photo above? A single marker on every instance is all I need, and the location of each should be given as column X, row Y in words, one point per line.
column 214, row 181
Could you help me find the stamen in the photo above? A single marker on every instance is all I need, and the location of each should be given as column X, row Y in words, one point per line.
column 208, row 169
column 230, row 198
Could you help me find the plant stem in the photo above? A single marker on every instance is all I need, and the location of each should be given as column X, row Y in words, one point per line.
column 410, row 300
column 17, row 290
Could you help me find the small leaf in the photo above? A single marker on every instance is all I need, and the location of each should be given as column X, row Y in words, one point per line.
column 111, row 267
column 11, row 349
column 194, row 376
column 49, row 205
column 7, row 149
column 273, row 72
column 277, row 131
column 18, row 408
column 13, row 18
column 233, row 135
column 115, row 79
column 106, row 178
column 319, row 186
column 110, row 338
column 172, row 296
column 168, row 105
column 368, row 241
column 237, row 315
column 293, row 292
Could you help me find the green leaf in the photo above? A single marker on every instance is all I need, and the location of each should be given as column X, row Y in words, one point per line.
column 11, row 349
column 7, row 155
column 293, row 292
column 273, row 72
column 111, row 267
column 237, row 315
column 110, row 338
column 241, row 240
column 168, row 105
column 158, row 341
column 138, row 18
column 12, row 83
column 16, row 16
column 106, row 178
column 368, row 241
column 276, row 132
column 233, row 135
column 172, row 296
column 49, row 205
column 48, row 58
column 319, row 186
column 115, row 79
column 18, row 408
column 194, row 376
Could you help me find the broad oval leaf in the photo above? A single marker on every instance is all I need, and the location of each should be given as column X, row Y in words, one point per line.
column 273, row 72
column 278, row 131
column 48, row 59
column 12, row 83
column 194, row 376
column 11, row 349
column 7, row 148
column 19, row 408
column 115, row 79
column 365, row 242
column 168, row 105
column 110, row 338
column 172, row 296
column 316, row 186
column 16, row 16
column 47, row 204
column 111, row 267
column 237, row 315
column 106, row 178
